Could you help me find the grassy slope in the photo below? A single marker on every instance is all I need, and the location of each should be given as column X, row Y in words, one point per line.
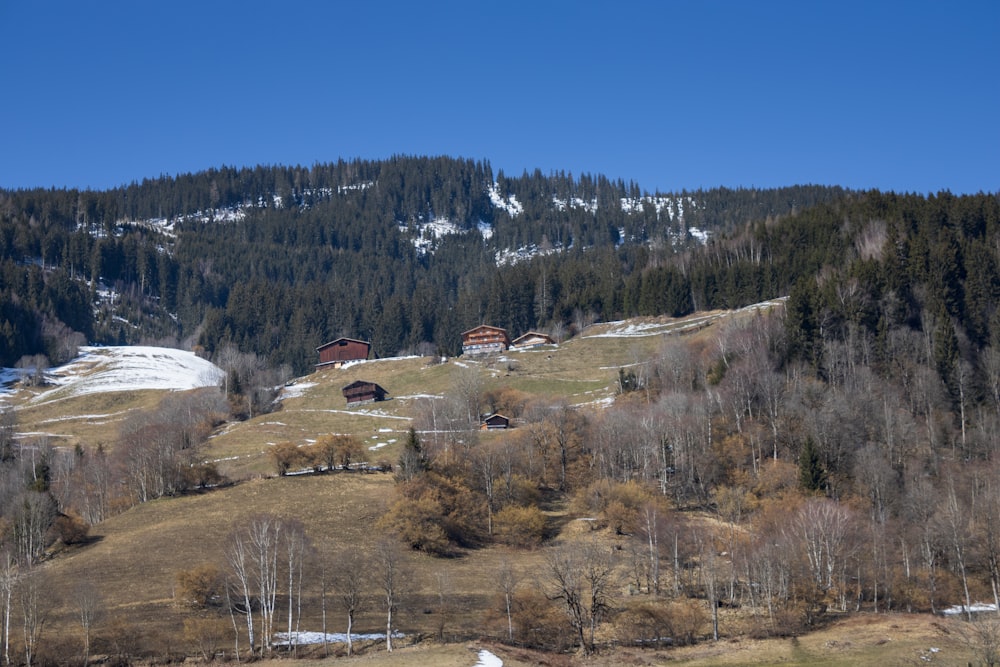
column 134, row 557
column 581, row 370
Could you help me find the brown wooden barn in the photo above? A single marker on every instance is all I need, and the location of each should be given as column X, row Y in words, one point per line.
column 485, row 339
column 495, row 422
column 360, row 391
column 532, row 339
column 341, row 351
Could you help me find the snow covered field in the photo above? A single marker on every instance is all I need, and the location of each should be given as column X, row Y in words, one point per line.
column 126, row 368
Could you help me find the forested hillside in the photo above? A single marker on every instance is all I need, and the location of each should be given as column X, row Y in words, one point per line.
column 407, row 253
column 744, row 474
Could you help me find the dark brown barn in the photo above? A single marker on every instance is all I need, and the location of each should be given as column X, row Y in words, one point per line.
column 494, row 422
column 363, row 392
column 342, row 350
column 485, row 339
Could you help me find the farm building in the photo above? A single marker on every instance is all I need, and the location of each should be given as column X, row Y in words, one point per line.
column 363, row 392
column 341, row 351
column 532, row 339
column 495, row 422
column 485, row 339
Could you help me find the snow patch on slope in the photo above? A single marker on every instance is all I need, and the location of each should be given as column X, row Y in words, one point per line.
column 508, row 203
column 130, row 368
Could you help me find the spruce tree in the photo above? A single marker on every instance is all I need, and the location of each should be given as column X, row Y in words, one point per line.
column 812, row 475
column 413, row 460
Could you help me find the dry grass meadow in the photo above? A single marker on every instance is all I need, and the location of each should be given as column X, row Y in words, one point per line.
column 134, row 558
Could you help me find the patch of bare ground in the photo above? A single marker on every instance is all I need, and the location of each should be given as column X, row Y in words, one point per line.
column 886, row 640
column 433, row 654
column 134, row 560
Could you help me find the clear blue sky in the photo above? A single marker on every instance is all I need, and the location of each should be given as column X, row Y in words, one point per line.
column 670, row 94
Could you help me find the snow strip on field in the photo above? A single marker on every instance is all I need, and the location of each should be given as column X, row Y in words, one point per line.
column 358, row 362
column 303, row 638
column 296, row 390
column 487, row 659
column 367, row 413
column 93, row 419
column 976, row 608
column 627, row 329
column 632, row 330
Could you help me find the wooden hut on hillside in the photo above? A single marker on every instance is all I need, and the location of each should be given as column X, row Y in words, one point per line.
column 360, row 391
column 495, row 422
column 532, row 339
column 340, row 351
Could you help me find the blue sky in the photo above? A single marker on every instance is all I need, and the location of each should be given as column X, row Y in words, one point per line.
column 670, row 94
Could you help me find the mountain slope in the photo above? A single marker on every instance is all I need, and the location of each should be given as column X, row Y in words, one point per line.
column 406, row 252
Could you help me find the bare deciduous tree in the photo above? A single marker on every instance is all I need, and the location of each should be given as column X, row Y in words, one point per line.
column 391, row 577
column 981, row 634
column 988, row 532
column 297, row 546
column 34, row 367
column 36, row 602
column 348, row 581
column 954, row 521
column 508, row 580
column 32, row 516
column 9, row 574
column 557, row 431
column 486, row 463
column 709, row 570
column 89, row 609
column 467, row 384
column 581, row 575
column 253, row 555
column 822, row 529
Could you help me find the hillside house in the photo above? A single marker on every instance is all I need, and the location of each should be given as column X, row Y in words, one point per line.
column 342, row 350
column 495, row 422
column 485, row 339
column 531, row 339
column 359, row 392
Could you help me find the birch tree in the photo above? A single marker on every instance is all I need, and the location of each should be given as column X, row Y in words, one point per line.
column 507, row 580
column 89, row 607
column 8, row 580
column 238, row 556
column 35, row 606
column 296, row 546
column 954, row 521
column 253, row 556
column 348, row 579
column 264, row 532
column 389, row 564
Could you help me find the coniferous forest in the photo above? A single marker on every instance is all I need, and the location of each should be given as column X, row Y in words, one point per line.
column 277, row 260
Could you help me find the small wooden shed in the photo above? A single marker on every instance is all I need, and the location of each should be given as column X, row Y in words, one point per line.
column 361, row 391
column 342, row 350
column 495, row 422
